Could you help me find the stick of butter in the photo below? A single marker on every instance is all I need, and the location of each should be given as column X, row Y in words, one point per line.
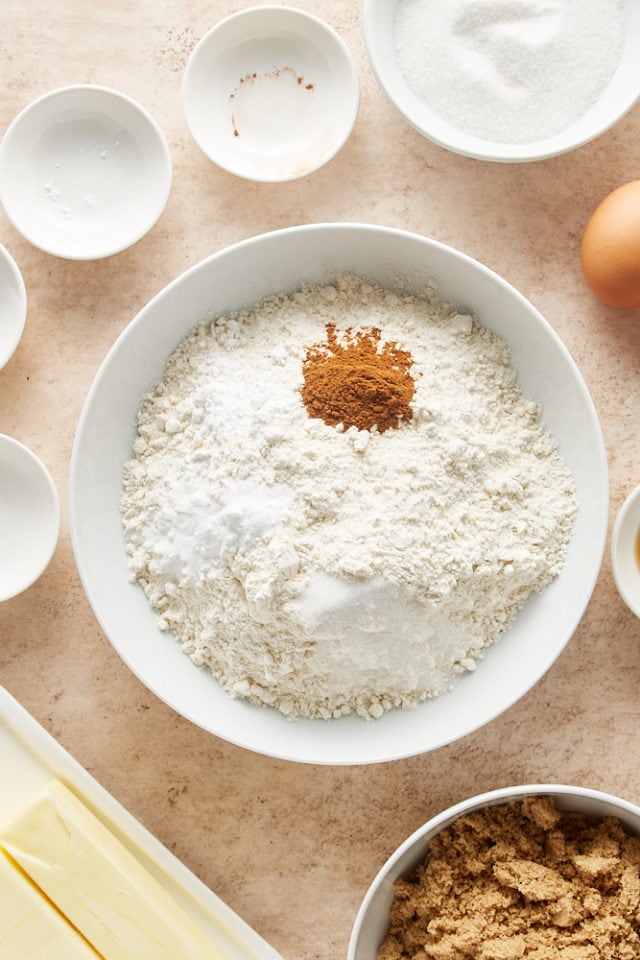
column 99, row 886
column 30, row 926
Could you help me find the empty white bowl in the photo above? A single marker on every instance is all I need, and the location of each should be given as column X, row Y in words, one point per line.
column 625, row 551
column 372, row 921
column 270, row 93
column 29, row 517
column 13, row 305
column 618, row 96
column 85, row 172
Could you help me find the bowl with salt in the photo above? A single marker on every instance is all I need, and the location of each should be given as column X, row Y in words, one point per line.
column 85, row 172
column 502, row 82
column 312, row 534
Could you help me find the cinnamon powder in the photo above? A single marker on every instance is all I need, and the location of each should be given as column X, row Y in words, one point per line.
column 358, row 381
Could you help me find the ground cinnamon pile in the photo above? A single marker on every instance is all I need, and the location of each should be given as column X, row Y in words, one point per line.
column 521, row 880
column 358, row 381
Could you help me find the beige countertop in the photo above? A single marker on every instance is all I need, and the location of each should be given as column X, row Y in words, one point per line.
column 292, row 848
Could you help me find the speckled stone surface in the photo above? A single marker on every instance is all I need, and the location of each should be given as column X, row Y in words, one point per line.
column 292, row 848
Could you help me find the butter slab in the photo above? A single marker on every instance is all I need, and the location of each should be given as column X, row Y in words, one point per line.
column 102, row 889
column 30, row 926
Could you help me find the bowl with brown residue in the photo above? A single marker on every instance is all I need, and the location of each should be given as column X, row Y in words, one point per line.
column 270, row 93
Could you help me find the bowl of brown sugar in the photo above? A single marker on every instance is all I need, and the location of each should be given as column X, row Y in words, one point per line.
column 543, row 870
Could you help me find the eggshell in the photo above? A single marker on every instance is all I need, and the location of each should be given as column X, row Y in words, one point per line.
column 610, row 253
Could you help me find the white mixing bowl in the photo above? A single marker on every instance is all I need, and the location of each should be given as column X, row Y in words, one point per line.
column 240, row 276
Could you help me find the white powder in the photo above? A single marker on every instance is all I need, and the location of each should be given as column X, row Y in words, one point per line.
column 513, row 71
column 325, row 571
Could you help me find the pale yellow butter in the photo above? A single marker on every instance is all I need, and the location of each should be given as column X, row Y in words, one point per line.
column 30, row 926
column 99, row 885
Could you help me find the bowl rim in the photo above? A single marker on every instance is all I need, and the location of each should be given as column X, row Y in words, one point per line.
column 351, row 755
column 37, row 466
column 449, row 815
column 277, row 11
column 476, row 148
column 8, row 346
column 162, row 152
column 631, row 504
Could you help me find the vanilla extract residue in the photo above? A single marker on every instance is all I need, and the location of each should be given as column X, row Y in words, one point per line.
column 256, row 91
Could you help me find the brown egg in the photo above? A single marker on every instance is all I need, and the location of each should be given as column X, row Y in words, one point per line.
column 610, row 252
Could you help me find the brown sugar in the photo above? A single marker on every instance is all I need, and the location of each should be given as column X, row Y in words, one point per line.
column 358, row 381
column 521, row 880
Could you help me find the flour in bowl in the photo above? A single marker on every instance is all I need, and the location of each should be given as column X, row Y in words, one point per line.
column 323, row 568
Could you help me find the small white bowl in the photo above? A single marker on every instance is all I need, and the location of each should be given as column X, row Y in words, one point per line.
column 13, row 306
column 29, row 517
column 619, row 96
column 372, row 921
column 625, row 551
column 85, row 172
column 270, row 93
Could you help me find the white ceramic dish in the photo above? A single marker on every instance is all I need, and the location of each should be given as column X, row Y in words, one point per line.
column 13, row 306
column 625, row 551
column 241, row 276
column 619, row 96
column 31, row 758
column 85, row 172
column 29, row 517
column 270, row 93
column 372, row 921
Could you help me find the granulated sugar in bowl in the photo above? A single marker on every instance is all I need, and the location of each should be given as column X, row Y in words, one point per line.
column 506, row 81
column 300, row 513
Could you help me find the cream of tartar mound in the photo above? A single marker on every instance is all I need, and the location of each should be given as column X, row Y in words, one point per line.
column 324, row 571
